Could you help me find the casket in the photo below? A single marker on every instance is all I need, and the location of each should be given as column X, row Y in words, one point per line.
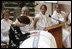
column 39, row 39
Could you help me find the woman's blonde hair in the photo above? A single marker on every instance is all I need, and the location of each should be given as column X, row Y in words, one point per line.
column 5, row 11
column 24, row 8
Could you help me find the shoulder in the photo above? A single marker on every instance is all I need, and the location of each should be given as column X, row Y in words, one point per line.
column 13, row 27
column 55, row 12
column 2, row 20
column 62, row 12
column 37, row 15
column 10, row 21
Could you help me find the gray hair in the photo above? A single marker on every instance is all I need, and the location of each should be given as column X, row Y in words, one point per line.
column 24, row 8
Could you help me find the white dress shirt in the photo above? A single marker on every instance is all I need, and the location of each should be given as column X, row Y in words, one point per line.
column 42, row 22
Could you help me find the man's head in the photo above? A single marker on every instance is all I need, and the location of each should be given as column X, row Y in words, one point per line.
column 25, row 11
column 58, row 8
column 43, row 9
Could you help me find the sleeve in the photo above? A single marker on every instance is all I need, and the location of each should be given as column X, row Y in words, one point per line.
column 62, row 19
column 54, row 16
column 12, row 35
column 70, row 17
column 24, row 36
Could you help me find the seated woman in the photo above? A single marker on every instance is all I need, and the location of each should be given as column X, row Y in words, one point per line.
column 15, row 34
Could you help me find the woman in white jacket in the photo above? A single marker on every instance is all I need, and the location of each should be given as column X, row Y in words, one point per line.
column 5, row 26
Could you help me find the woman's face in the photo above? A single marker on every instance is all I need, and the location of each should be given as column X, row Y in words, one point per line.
column 43, row 10
column 6, row 16
column 25, row 12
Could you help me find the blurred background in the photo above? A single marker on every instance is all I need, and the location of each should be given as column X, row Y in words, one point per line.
column 34, row 7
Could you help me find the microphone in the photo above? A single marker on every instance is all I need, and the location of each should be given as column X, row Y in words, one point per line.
column 55, row 19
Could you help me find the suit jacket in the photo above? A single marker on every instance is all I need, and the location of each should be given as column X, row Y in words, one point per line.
column 16, row 36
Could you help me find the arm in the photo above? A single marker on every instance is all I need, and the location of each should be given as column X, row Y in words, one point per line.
column 35, row 22
column 31, row 26
column 18, row 24
column 54, row 21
